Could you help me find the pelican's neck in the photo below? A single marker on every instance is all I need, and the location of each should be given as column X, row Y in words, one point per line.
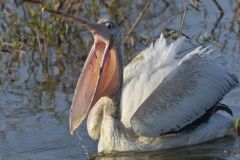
column 114, row 107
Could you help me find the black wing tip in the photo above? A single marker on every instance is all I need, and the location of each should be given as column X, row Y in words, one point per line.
column 204, row 118
column 223, row 107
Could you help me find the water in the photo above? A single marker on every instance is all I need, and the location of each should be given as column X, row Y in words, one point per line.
column 37, row 88
column 84, row 147
column 217, row 149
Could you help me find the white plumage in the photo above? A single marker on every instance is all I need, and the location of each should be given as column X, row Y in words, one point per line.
column 144, row 73
column 191, row 85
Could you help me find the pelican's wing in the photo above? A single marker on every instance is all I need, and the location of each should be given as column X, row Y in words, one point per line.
column 184, row 95
column 147, row 69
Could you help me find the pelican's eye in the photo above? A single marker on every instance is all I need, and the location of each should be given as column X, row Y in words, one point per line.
column 109, row 25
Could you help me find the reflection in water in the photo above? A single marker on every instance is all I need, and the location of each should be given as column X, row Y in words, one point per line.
column 41, row 59
column 217, row 149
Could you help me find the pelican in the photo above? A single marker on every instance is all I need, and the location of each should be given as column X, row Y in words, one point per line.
column 156, row 101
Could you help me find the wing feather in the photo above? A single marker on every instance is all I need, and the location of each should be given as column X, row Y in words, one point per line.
column 184, row 95
column 148, row 68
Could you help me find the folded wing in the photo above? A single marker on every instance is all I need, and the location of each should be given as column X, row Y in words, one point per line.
column 185, row 94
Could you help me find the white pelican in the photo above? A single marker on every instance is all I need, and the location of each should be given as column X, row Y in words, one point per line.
column 155, row 102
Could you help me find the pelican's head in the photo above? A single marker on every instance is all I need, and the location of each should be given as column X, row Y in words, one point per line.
column 101, row 74
column 102, row 71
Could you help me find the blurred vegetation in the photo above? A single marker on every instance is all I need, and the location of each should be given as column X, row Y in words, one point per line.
column 55, row 49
